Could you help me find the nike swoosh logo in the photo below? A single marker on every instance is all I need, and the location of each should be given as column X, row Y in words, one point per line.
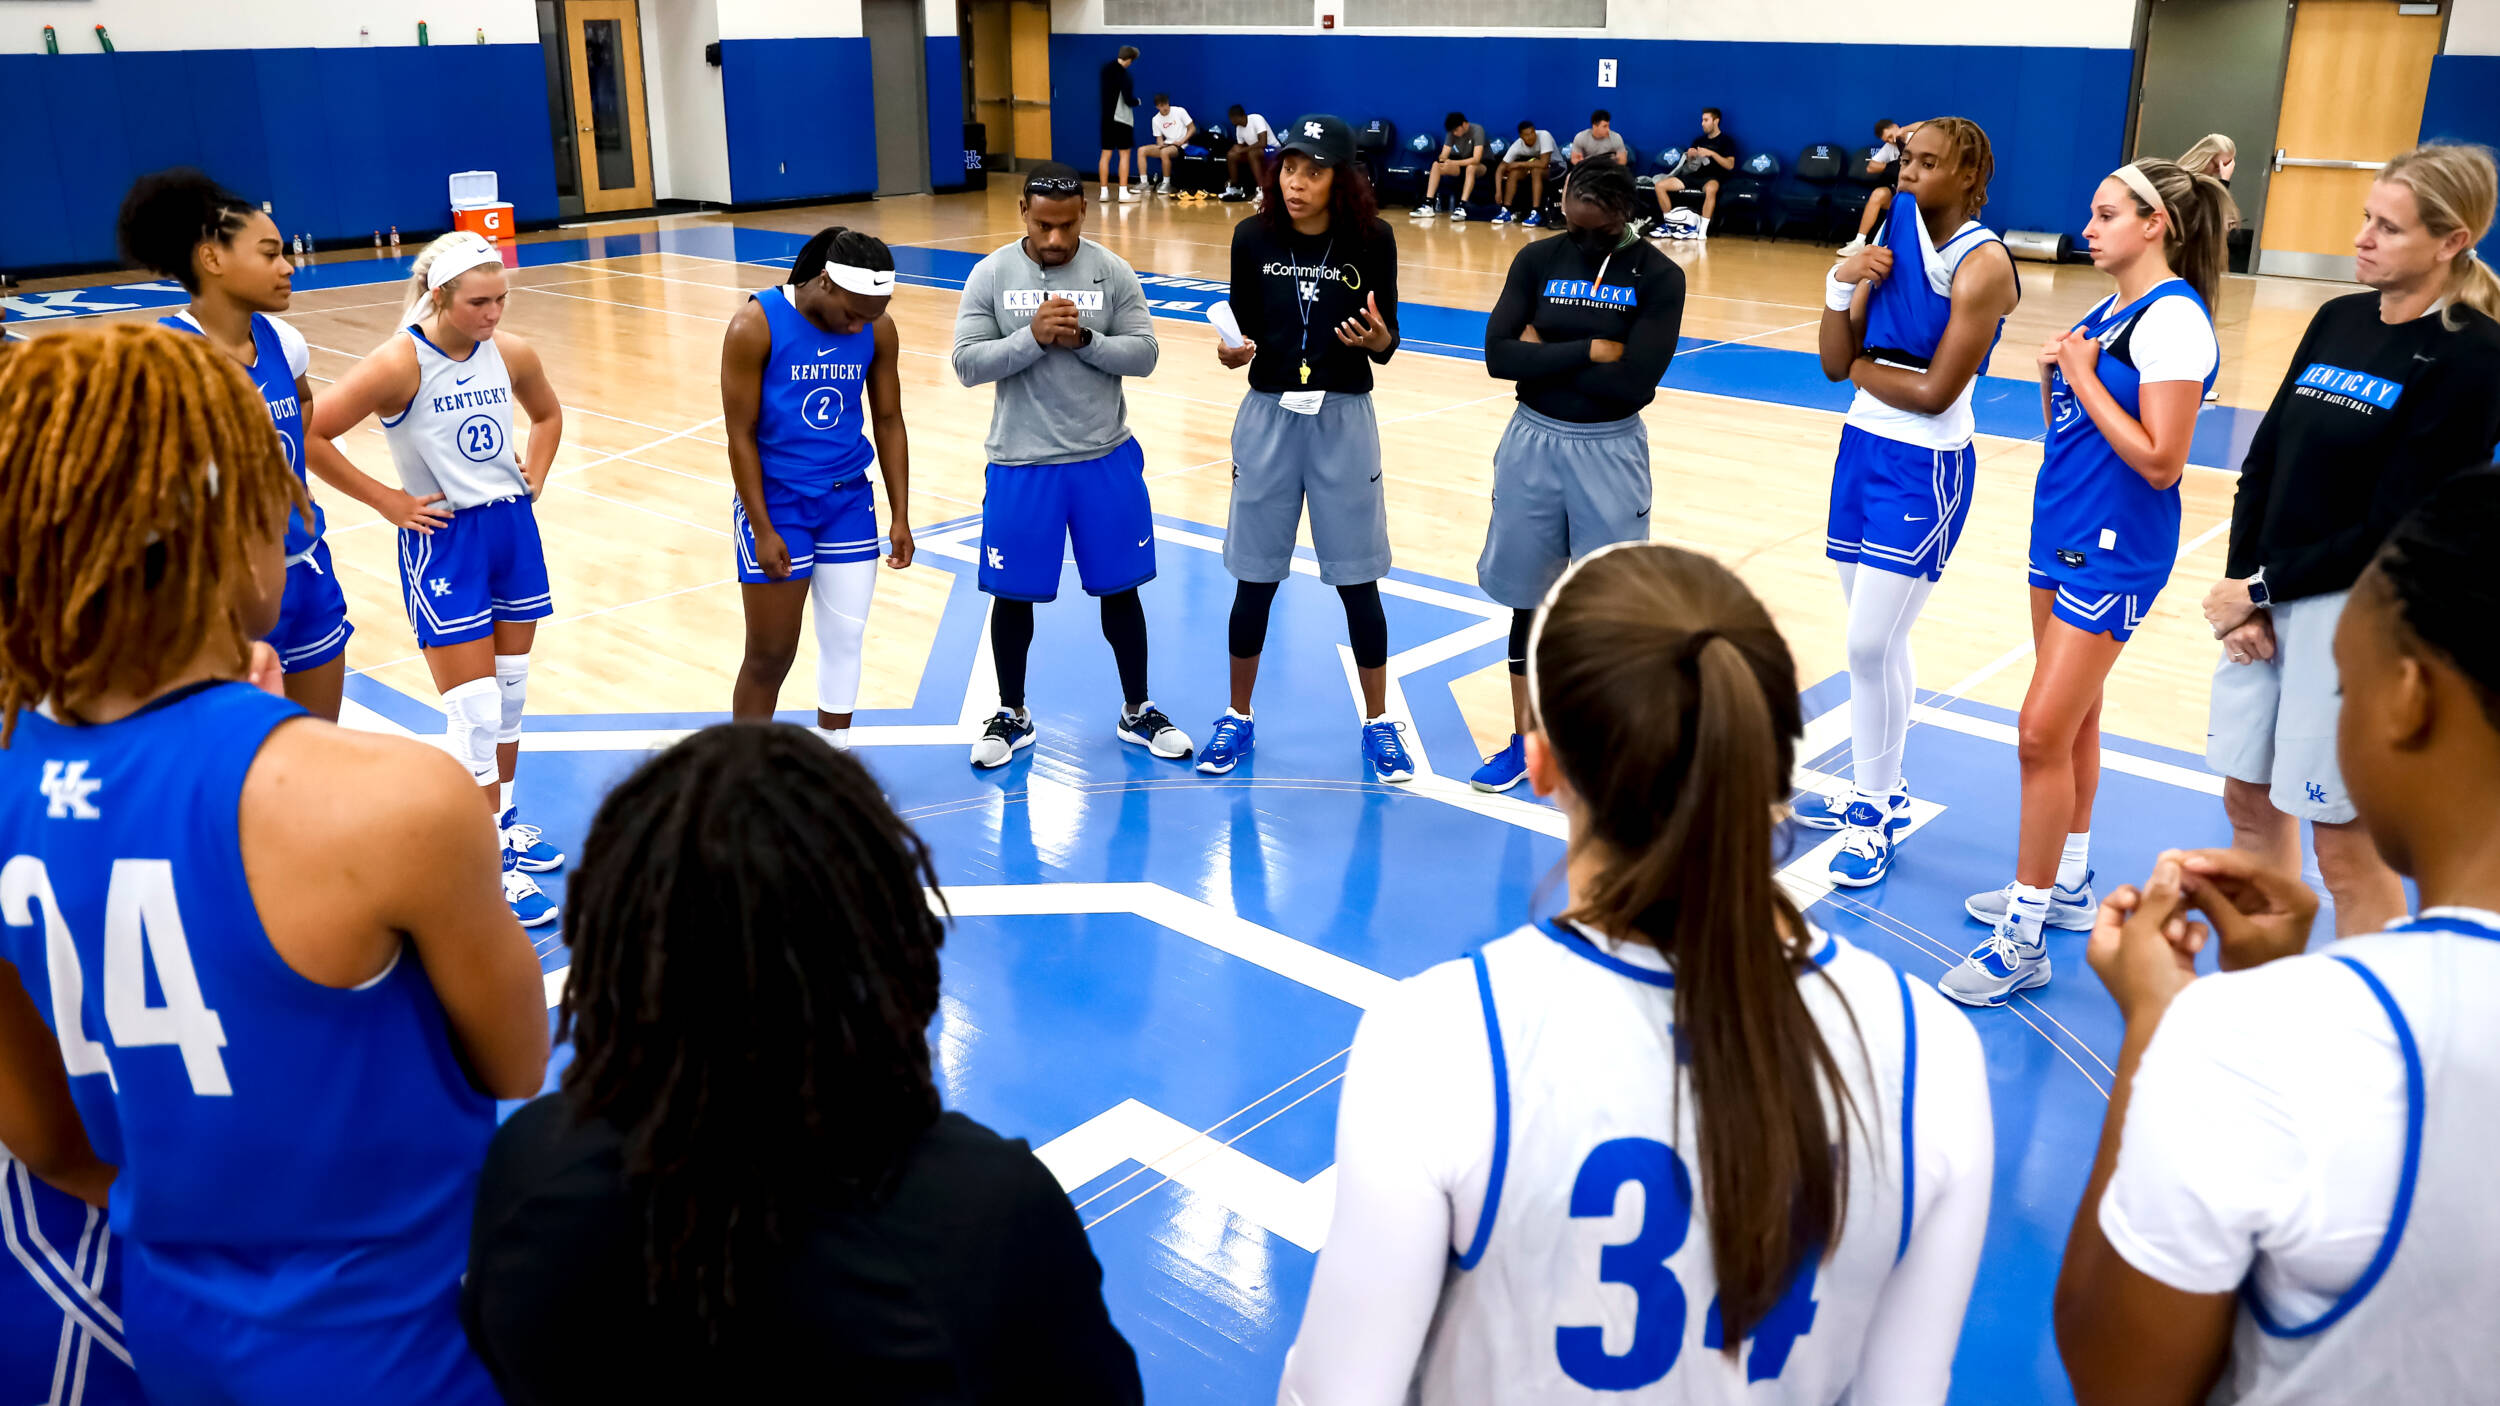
column 824, row 351
column 1905, row 517
column 464, row 380
column 1375, row 478
column 1642, row 513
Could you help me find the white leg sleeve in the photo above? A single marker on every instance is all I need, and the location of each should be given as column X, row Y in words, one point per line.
column 473, row 715
column 512, row 680
column 1883, row 605
column 841, row 593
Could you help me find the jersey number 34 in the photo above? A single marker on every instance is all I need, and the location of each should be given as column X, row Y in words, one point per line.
column 142, row 922
column 1640, row 1264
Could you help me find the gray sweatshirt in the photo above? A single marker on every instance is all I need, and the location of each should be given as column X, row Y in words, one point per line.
column 1055, row 405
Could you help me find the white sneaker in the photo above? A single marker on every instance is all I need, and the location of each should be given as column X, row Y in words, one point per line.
column 1007, row 733
column 1129, row 194
column 1106, row 196
column 1150, row 729
column 1422, row 212
column 1998, row 968
column 1458, row 214
column 1856, row 243
column 1699, row 229
column 1166, row 187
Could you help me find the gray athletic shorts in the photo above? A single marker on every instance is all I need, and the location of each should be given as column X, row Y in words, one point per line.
column 1560, row 492
column 1281, row 457
column 2272, row 722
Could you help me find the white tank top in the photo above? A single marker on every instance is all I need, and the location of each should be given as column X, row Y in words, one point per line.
column 2416, row 1326
column 455, row 437
column 1589, row 1278
column 1952, row 427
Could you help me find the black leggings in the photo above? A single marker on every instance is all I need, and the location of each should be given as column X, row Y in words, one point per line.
column 1366, row 624
column 1123, row 624
column 1521, row 621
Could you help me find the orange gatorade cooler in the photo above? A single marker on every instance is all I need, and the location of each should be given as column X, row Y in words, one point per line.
column 475, row 208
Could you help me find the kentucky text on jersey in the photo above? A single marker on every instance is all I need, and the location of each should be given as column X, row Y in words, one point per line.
column 2352, row 385
column 1580, row 289
column 285, row 408
column 469, row 400
column 826, row 371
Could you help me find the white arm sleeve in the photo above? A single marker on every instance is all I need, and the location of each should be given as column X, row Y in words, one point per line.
column 1908, row 1356
column 1414, row 1147
column 2174, row 341
column 298, row 356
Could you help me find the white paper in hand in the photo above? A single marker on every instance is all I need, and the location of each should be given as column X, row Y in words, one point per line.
column 1227, row 327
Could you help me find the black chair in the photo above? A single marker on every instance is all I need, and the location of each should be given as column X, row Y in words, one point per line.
column 1408, row 167
column 1204, row 171
column 1849, row 197
column 1374, row 142
column 1807, row 198
column 1745, row 195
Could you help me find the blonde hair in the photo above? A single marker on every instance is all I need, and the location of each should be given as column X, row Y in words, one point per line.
column 423, row 300
column 2455, row 187
column 2196, row 243
column 2211, row 150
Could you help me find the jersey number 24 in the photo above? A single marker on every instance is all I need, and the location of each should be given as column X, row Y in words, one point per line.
column 142, row 922
column 1641, row 1265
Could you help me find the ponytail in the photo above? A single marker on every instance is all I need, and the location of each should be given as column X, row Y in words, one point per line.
column 1670, row 703
column 2197, row 244
column 836, row 244
column 2455, row 188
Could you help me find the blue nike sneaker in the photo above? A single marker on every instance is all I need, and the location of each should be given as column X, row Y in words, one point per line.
column 1504, row 769
column 532, row 908
column 1502, row 216
column 2073, row 909
column 535, row 855
column 1231, row 741
column 1535, row 220
column 1825, row 812
column 1386, row 752
column 1998, row 968
column 1865, row 847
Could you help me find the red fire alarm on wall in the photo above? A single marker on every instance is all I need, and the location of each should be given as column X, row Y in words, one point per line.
column 1328, row 21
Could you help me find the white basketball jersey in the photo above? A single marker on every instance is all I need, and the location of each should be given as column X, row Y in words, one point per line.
column 1589, row 1278
column 2417, row 1325
column 1953, row 426
column 455, row 437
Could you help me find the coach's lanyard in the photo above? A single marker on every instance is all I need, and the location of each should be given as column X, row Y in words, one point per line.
column 1306, row 297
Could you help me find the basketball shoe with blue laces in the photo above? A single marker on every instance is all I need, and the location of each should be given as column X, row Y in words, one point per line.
column 534, row 854
column 2006, row 963
column 1231, row 741
column 532, row 908
column 2073, row 909
column 1825, row 812
column 1504, row 769
column 1865, row 855
column 1386, row 751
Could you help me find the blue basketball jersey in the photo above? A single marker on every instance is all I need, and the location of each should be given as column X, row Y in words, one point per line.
column 274, row 372
column 810, row 430
column 1905, row 320
column 290, row 1153
column 2096, row 525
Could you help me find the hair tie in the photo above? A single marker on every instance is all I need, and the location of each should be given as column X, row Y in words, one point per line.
column 1694, row 644
column 2135, row 180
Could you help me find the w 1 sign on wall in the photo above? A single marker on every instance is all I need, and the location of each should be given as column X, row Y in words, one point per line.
column 1605, row 73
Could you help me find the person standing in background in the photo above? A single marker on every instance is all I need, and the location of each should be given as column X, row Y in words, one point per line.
column 1119, row 120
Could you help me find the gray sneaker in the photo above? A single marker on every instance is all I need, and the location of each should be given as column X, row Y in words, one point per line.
column 1997, row 969
column 2071, row 909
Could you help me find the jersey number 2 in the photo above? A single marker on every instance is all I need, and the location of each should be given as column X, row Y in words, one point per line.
column 1641, row 1265
column 142, row 922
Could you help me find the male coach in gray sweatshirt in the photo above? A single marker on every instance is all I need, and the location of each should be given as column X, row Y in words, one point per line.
column 1054, row 320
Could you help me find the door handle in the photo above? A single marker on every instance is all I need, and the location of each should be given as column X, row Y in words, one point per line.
column 2322, row 163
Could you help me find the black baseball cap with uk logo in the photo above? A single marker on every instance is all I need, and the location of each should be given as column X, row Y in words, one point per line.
column 1324, row 138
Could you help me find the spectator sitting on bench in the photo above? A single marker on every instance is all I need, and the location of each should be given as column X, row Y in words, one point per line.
column 1245, row 165
column 1600, row 142
column 1462, row 155
column 1172, row 131
column 1708, row 160
column 1882, row 164
column 1525, row 164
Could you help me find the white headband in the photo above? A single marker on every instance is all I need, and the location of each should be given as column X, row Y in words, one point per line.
column 2135, row 180
column 453, row 260
column 868, row 283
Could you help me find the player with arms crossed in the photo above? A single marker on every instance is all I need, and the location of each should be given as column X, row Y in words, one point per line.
column 2119, row 392
column 1807, row 1129
column 803, row 367
column 1910, row 322
column 232, row 261
column 279, row 1076
column 476, row 587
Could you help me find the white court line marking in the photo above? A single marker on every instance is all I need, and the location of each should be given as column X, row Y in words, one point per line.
column 1210, row 1130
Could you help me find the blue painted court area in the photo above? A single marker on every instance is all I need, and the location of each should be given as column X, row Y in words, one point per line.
column 2005, row 406
column 1154, row 976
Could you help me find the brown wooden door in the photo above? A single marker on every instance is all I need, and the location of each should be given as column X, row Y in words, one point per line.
column 613, row 134
column 2353, row 86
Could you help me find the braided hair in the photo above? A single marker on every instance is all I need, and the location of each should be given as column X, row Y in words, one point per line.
column 755, row 965
column 139, row 476
column 1967, row 146
column 1605, row 184
column 837, row 244
column 169, row 214
column 2435, row 566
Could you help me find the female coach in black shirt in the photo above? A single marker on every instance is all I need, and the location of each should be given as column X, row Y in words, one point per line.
column 2391, row 392
column 746, row 1183
column 1315, row 289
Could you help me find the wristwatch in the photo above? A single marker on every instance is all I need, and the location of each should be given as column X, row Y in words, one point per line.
column 1085, row 336
column 2258, row 595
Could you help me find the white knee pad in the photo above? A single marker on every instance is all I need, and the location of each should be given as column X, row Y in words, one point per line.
column 841, row 593
column 512, row 680
column 473, row 715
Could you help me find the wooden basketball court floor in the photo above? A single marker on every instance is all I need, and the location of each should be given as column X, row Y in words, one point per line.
column 1154, row 975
